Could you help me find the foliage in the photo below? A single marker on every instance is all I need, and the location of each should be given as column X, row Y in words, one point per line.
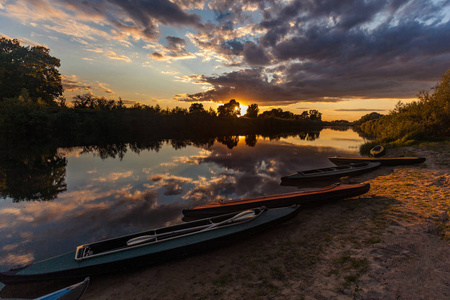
column 277, row 113
column 30, row 68
column 312, row 115
column 88, row 101
column 368, row 117
column 425, row 119
column 252, row 111
column 196, row 108
column 21, row 115
column 315, row 115
column 230, row 109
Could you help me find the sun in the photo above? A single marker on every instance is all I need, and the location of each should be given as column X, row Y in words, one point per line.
column 243, row 109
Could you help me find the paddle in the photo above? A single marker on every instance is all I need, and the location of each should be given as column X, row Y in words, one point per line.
column 240, row 217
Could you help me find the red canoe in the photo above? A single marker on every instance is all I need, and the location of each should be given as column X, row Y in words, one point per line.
column 333, row 192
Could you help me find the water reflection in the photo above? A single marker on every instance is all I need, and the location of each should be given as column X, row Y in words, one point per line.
column 109, row 190
column 26, row 176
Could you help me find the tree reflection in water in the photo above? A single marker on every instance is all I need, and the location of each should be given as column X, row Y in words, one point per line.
column 37, row 173
column 36, row 176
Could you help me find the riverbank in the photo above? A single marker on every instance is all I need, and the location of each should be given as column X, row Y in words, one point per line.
column 391, row 243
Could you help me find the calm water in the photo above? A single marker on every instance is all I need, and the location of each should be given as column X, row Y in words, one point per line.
column 54, row 200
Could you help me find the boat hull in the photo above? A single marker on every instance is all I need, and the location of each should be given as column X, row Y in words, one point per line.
column 334, row 172
column 385, row 161
column 335, row 192
column 65, row 266
column 73, row 292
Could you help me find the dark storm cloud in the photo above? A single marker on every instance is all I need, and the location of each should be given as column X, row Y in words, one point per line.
column 253, row 85
column 235, row 46
column 255, row 55
column 145, row 15
column 329, row 50
column 250, row 84
column 174, row 49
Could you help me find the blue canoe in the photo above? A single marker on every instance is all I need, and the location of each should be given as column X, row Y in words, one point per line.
column 73, row 292
column 150, row 247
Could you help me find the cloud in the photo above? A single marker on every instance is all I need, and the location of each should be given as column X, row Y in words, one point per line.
column 112, row 55
column 135, row 20
column 174, row 50
column 326, row 50
column 172, row 184
column 255, row 55
column 254, row 86
column 284, row 51
column 359, row 109
column 103, row 86
column 71, row 83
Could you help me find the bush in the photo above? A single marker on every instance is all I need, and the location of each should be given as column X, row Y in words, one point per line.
column 425, row 119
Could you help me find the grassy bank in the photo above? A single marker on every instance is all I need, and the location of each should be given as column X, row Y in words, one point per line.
column 425, row 120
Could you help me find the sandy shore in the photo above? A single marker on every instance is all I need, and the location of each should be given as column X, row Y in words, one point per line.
column 391, row 243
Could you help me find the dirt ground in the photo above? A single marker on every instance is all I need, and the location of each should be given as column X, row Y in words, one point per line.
column 390, row 243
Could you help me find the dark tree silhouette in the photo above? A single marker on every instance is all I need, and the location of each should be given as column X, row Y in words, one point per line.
column 196, row 108
column 230, row 109
column 252, row 111
column 29, row 68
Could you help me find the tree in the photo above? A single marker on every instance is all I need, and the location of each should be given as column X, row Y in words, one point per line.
column 196, row 108
column 304, row 115
column 277, row 113
column 315, row 115
column 368, row 117
column 30, row 68
column 230, row 109
column 252, row 111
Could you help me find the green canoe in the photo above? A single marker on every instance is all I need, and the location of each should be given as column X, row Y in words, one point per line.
column 385, row 161
column 331, row 172
column 150, row 247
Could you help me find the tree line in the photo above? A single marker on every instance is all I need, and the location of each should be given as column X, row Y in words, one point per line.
column 31, row 104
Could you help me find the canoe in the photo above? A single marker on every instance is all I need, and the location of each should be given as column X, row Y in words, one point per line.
column 332, row 172
column 385, row 161
column 73, row 292
column 333, row 192
column 377, row 151
column 150, row 247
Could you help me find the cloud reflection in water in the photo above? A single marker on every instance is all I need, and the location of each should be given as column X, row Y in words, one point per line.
column 148, row 189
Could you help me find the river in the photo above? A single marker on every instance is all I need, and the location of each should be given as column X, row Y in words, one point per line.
column 56, row 199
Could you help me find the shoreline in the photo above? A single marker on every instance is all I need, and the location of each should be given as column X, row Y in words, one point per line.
column 390, row 243
column 393, row 242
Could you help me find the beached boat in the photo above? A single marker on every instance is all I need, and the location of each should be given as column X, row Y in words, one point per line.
column 73, row 292
column 331, row 172
column 377, row 151
column 150, row 247
column 307, row 196
column 385, row 161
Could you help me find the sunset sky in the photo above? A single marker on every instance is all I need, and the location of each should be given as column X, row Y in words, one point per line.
column 345, row 58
